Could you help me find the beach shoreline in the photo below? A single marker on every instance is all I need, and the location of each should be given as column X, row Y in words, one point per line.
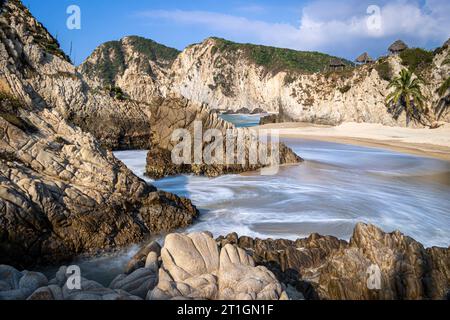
column 433, row 143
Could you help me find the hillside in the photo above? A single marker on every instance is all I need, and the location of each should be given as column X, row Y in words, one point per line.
column 217, row 72
column 274, row 60
column 111, row 59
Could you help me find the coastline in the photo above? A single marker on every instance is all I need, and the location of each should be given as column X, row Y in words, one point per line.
column 434, row 143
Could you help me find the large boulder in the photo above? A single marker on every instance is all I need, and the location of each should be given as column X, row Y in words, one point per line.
column 194, row 268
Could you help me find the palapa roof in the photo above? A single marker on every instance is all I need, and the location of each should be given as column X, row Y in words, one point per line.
column 364, row 58
column 398, row 45
column 336, row 63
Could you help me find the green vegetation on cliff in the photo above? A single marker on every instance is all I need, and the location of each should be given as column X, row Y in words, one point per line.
column 112, row 62
column 417, row 59
column 153, row 50
column 384, row 69
column 278, row 59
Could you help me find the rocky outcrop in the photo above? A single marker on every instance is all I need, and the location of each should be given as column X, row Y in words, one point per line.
column 373, row 265
column 174, row 112
column 328, row 268
column 193, row 267
column 146, row 84
column 61, row 193
column 188, row 267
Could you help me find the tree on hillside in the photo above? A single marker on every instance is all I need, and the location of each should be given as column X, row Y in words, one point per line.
column 443, row 91
column 407, row 96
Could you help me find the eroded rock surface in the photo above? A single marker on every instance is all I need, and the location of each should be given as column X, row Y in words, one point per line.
column 193, row 267
column 61, row 193
column 328, row 268
column 172, row 113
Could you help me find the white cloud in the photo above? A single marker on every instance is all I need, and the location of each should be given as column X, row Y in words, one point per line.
column 328, row 26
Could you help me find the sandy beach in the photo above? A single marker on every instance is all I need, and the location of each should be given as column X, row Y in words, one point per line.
column 425, row 142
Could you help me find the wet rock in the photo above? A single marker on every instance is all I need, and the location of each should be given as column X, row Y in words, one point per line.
column 139, row 260
column 138, row 283
column 15, row 285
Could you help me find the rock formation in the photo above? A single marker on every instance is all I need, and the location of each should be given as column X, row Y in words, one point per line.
column 142, row 70
column 328, row 268
column 174, row 112
column 188, row 267
column 230, row 76
column 61, row 194
column 195, row 266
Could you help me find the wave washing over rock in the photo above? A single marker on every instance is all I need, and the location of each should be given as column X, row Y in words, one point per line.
column 195, row 266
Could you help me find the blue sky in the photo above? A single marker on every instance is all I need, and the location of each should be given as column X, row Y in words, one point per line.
column 343, row 28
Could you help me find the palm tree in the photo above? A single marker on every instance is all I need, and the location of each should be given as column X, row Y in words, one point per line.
column 444, row 101
column 407, row 96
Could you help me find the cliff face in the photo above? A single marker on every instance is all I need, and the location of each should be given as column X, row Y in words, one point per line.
column 142, row 71
column 136, row 65
column 61, row 194
column 229, row 76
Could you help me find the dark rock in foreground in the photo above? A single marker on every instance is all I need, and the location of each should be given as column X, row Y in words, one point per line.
column 195, row 266
column 328, row 268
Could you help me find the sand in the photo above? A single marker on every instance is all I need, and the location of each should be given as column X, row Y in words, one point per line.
column 424, row 142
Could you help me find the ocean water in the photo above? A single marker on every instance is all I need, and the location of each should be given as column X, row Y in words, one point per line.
column 242, row 120
column 337, row 186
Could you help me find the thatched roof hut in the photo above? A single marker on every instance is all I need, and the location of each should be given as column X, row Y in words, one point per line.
column 397, row 47
column 364, row 58
column 336, row 64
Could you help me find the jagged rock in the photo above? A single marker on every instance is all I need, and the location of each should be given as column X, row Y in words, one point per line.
column 174, row 112
column 408, row 270
column 61, row 193
column 193, row 268
column 328, row 268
